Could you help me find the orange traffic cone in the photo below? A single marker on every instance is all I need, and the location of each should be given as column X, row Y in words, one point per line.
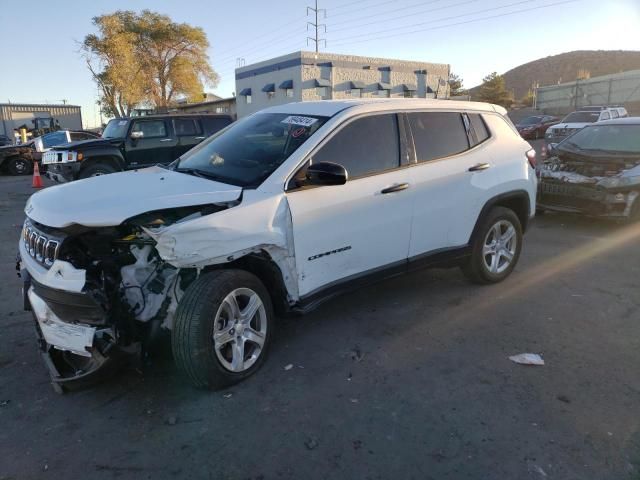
column 37, row 181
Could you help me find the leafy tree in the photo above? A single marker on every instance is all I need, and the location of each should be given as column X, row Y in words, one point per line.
column 494, row 90
column 146, row 58
column 455, row 85
column 527, row 100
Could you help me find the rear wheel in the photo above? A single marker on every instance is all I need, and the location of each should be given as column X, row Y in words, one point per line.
column 223, row 328
column 495, row 247
column 96, row 170
column 19, row 166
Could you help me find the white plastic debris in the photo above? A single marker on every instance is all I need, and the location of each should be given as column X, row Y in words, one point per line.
column 288, row 367
column 527, row 359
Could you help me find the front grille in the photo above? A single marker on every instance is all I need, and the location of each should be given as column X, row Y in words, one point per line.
column 41, row 247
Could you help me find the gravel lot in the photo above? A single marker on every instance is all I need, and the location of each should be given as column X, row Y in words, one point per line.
column 406, row 379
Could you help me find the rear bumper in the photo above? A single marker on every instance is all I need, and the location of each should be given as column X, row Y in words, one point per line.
column 585, row 199
column 63, row 172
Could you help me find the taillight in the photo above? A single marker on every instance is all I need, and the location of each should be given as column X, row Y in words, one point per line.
column 531, row 156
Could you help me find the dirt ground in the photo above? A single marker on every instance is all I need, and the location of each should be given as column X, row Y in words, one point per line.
column 407, row 379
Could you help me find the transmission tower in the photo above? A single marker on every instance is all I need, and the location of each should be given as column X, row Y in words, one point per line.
column 316, row 26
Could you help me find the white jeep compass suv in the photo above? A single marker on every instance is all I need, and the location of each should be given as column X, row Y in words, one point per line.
column 276, row 213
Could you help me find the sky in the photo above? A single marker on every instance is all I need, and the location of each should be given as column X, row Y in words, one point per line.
column 476, row 37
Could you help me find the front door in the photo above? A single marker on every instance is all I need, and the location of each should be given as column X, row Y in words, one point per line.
column 157, row 144
column 347, row 231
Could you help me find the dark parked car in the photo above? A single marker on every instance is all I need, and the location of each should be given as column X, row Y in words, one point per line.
column 595, row 171
column 535, row 126
column 130, row 143
column 4, row 140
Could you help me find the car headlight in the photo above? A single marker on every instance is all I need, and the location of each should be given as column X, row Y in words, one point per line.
column 619, row 182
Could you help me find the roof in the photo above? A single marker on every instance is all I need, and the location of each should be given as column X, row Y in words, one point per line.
column 174, row 114
column 619, row 121
column 332, row 107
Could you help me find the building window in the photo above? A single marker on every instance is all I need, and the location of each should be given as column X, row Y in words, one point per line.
column 356, row 92
column 384, row 93
column 248, row 99
column 288, row 92
column 323, row 92
column 409, row 94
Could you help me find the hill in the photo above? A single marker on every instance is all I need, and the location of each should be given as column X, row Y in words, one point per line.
column 565, row 67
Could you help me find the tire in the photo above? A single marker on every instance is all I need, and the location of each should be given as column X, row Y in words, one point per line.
column 96, row 170
column 205, row 336
column 19, row 166
column 480, row 268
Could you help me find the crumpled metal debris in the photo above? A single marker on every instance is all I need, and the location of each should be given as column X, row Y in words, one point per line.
column 527, row 359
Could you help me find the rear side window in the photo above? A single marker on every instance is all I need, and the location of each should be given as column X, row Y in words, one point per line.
column 479, row 127
column 186, row 127
column 438, row 134
column 365, row 146
column 212, row 125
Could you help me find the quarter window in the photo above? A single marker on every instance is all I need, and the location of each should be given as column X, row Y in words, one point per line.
column 213, row 124
column 365, row 146
column 151, row 128
column 479, row 127
column 437, row 134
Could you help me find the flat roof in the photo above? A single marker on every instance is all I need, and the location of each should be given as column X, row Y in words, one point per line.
column 40, row 105
column 331, row 107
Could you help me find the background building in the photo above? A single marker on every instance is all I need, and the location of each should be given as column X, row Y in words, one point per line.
column 221, row 105
column 14, row 115
column 306, row 76
column 617, row 89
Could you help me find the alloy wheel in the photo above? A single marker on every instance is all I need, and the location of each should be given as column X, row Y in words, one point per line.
column 240, row 330
column 500, row 246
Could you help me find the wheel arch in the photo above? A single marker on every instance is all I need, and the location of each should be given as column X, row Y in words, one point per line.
column 110, row 159
column 262, row 265
column 517, row 200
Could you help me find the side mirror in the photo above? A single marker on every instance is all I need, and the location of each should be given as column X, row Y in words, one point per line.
column 326, row 173
column 137, row 135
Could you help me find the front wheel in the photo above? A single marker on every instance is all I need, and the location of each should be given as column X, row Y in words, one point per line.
column 96, row 170
column 19, row 166
column 223, row 328
column 496, row 247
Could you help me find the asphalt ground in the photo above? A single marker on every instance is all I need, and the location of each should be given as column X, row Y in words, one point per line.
column 407, row 379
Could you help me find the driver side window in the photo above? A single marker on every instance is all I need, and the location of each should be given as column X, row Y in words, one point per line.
column 366, row 146
column 151, row 128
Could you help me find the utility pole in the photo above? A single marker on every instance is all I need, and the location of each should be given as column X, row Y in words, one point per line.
column 316, row 26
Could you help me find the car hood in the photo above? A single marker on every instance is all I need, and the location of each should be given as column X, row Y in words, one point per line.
column 108, row 200
column 91, row 143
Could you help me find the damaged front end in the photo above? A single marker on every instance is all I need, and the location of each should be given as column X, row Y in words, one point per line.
column 594, row 185
column 101, row 294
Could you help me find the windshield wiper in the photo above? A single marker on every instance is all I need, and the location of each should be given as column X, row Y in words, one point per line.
column 198, row 173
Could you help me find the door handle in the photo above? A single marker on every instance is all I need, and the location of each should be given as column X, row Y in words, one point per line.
column 200, row 138
column 395, row 188
column 479, row 167
column 166, row 139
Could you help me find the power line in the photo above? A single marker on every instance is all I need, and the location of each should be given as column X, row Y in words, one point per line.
column 368, row 6
column 458, row 23
column 338, row 7
column 453, row 17
column 384, row 13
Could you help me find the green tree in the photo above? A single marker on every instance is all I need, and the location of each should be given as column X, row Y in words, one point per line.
column 494, row 90
column 455, row 85
column 527, row 100
column 147, row 59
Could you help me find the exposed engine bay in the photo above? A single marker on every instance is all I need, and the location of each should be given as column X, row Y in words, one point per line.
column 129, row 291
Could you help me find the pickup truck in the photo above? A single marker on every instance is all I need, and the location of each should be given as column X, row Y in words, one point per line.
column 131, row 143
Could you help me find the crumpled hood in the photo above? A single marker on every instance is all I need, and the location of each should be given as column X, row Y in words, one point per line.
column 109, row 200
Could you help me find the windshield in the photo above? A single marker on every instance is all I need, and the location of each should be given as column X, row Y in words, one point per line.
column 116, row 128
column 581, row 117
column 247, row 152
column 611, row 138
column 530, row 121
column 52, row 139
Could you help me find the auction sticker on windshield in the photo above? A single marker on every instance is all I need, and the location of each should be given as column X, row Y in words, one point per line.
column 304, row 121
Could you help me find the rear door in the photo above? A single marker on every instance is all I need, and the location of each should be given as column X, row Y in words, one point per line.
column 157, row 144
column 342, row 232
column 188, row 133
column 449, row 181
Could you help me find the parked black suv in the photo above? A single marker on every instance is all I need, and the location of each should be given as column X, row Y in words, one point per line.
column 129, row 143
